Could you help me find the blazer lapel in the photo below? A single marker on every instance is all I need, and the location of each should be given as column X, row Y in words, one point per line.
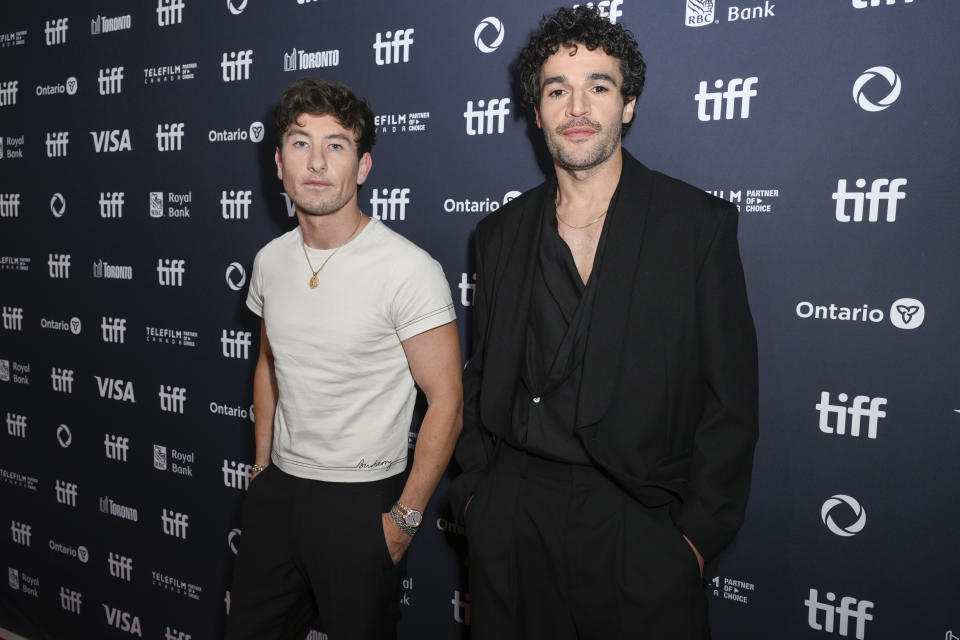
column 614, row 292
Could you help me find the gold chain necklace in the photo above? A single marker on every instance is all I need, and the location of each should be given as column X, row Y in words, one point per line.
column 556, row 204
column 314, row 281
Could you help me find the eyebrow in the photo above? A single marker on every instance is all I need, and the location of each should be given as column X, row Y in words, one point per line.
column 562, row 79
column 299, row 131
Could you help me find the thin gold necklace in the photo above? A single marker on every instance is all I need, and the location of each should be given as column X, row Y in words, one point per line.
column 556, row 204
column 314, row 281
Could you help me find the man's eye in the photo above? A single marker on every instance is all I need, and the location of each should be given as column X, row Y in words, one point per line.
column 335, row 146
column 556, row 93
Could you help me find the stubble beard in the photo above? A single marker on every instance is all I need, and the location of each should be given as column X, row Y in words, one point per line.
column 603, row 147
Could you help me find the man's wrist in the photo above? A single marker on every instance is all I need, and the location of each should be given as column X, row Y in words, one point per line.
column 407, row 519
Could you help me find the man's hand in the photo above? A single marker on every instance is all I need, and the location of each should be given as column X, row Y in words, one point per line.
column 397, row 540
column 697, row 553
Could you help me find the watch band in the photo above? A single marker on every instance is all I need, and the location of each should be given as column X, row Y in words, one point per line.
column 397, row 517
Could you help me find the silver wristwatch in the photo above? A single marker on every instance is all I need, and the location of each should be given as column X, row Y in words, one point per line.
column 407, row 519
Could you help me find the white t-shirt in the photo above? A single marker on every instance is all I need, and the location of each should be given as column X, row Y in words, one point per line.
column 346, row 393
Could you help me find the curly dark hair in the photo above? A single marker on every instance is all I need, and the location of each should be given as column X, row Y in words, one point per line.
column 574, row 27
column 318, row 97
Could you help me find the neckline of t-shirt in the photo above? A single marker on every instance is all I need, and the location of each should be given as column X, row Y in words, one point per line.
column 352, row 241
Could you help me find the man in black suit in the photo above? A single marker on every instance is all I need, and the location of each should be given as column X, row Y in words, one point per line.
column 611, row 396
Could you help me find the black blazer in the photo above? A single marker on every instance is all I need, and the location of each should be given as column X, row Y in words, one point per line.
column 668, row 400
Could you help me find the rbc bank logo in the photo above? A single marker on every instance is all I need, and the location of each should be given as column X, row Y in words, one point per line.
column 55, row 31
column 236, row 276
column 170, row 272
column 393, row 47
column 235, row 204
column 881, row 189
column 111, row 204
column 109, row 81
column 236, row 65
column 893, row 86
column 236, row 344
column 830, row 508
column 391, row 205
column 700, row 12
column 493, row 43
column 8, row 93
column 488, row 117
column 737, row 89
column 56, row 144
column 848, row 609
column 169, row 12
column 170, row 136
column 862, row 407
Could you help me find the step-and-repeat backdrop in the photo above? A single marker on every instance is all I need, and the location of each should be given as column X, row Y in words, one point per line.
column 137, row 183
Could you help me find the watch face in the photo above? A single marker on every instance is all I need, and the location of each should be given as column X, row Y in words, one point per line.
column 413, row 518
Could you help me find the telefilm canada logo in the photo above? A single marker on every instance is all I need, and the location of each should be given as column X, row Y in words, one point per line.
column 175, row 337
column 732, row 589
column 403, row 122
column 750, row 200
column 163, row 74
column 13, row 39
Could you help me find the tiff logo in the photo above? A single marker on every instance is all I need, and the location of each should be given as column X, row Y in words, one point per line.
column 847, row 609
column 389, row 48
column 236, row 65
column 467, row 289
column 55, row 31
column 173, row 634
column 114, row 329
column 120, row 566
column 391, row 205
column 59, row 264
column 9, row 205
column 169, row 12
column 172, row 399
column 609, row 9
column 8, row 93
column 70, row 600
column 880, row 189
column 236, row 475
column 863, row 4
column 235, row 205
column 497, row 109
column 56, row 143
column 175, row 524
column 116, row 447
column 737, row 89
column 16, row 425
column 236, row 344
column 111, row 204
column 20, row 532
column 66, row 493
column 461, row 607
column 109, row 81
column 170, row 136
column 62, row 380
column 13, row 318
column 863, row 406
column 170, row 272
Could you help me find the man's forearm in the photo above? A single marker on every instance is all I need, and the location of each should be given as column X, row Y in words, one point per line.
column 435, row 442
column 265, row 394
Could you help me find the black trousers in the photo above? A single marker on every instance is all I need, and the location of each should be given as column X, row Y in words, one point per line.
column 310, row 549
column 559, row 551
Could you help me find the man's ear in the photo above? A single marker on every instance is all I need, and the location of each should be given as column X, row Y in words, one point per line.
column 366, row 163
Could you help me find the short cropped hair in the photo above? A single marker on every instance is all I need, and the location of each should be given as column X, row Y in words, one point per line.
column 318, row 97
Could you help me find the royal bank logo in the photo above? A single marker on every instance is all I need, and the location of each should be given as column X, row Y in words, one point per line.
column 722, row 103
column 103, row 269
column 298, row 59
column 8, row 93
column 392, row 47
column 56, row 144
column 236, row 475
column 120, row 567
column 69, row 87
column 389, row 203
column 235, row 65
column 236, row 276
column 111, row 140
column 170, row 136
column 117, row 510
column 236, row 344
column 178, row 462
column 863, row 4
column 103, row 24
column 235, row 204
column 837, row 618
column 700, row 12
column 9, row 205
column 175, row 337
column 875, row 103
column 861, row 407
column 488, row 117
column 172, row 399
column 160, row 461
column 843, row 509
column 254, row 133
column 179, row 204
column 13, row 318
column 110, row 81
column 27, row 584
column 16, row 425
column 122, row 620
column 13, row 39
column 116, row 447
column 170, row 272
column 61, row 380
column 175, row 524
column 55, row 31
column 169, row 12
column 21, row 533
column 409, row 122
column 169, row 73
column 11, row 147
column 905, row 313
column 65, row 493
column 176, row 585
column 488, row 36
column 70, row 600
column 111, row 204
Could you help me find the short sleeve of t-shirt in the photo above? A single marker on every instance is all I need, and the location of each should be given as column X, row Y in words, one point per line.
column 255, row 292
column 422, row 299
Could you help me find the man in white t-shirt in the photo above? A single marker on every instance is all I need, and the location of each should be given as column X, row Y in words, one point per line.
column 353, row 317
